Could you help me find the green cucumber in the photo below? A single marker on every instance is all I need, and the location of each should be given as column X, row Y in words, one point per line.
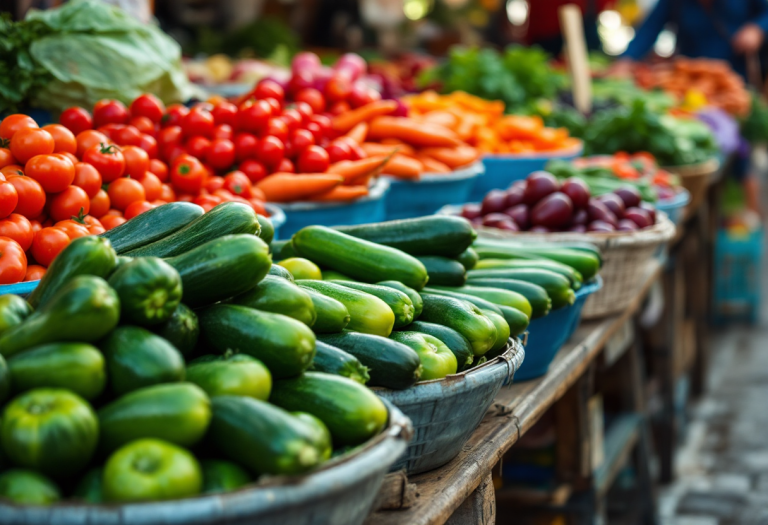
column 390, row 364
column 444, row 271
column 152, row 225
column 537, row 296
column 279, row 271
column 358, row 258
column 587, row 263
column 558, row 287
column 279, row 296
column 477, row 301
column 27, row 487
column 332, row 360
column 176, row 412
column 502, row 332
column 468, row 258
column 222, row 476
column 13, row 311
column 368, row 313
column 400, row 304
column 572, row 275
column 89, row 488
column 85, row 309
column 137, row 358
column 497, row 296
column 437, row 360
column 5, row 386
column 231, row 375
column 517, row 321
column 456, row 342
column 149, row 290
column 182, row 330
column 227, row 218
column 352, row 413
column 432, row 235
column 77, row 367
column 221, row 268
column 285, row 345
column 266, row 229
column 282, row 250
column 330, row 275
column 262, row 437
column 412, row 294
column 83, row 256
column 462, row 316
column 331, row 315
column 322, row 439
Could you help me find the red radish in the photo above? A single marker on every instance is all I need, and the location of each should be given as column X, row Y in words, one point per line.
column 629, row 195
column 492, row 219
column 651, row 209
column 599, row 212
column 305, row 61
column 577, row 190
column 580, row 216
column 515, row 196
column 600, row 226
column 625, row 225
column 538, row 185
column 471, row 211
column 614, row 203
column 639, row 216
column 552, row 211
column 540, row 229
column 520, row 215
column 494, row 202
column 578, row 228
column 508, row 225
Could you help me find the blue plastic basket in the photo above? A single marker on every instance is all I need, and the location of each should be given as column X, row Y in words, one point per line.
column 503, row 170
column 546, row 335
column 737, row 276
column 276, row 217
column 408, row 199
column 22, row 289
column 368, row 209
column 675, row 207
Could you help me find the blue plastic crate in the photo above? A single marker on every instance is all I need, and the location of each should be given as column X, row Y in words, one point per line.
column 675, row 207
column 737, row 276
column 276, row 217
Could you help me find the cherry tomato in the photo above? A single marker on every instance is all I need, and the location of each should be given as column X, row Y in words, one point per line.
column 47, row 244
column 18, row 228
column 197, row 122
column 148, row 105
column 198, row 146
column 73, row 159
column 72, row 228
column 88, row 178
column 277, row 127
column 6, row 157
column 322, row 121
column 31, row 196
column 224, row 194
column 302, row 139
column 204, row 105
column 300, row 81
column 173, row 152
column 71, row 202
column 136, row 161
column 314, row 159
column 63, row 139
column 221, row 155
column 339, row 107
column 11, row 169
column 254, row 169
column 223, row 131
column 338, row 88
column 355, row 149
column 112, row 221
column 144, row 125
column 153, row 187
column 100, row 204
column 35, row 272
column 76, row 119
column 27, row 143
column 112, row 211
column 270, row 150
column 9, row 198
column 338, row 150
column 275, row 105
column 137, row 208
column 93, row 224
column 126, row 136
column 362, row 95
column 168, row 195
column 13, row 123
column 316, row 130
column 13, row 262
column 172, row 135
column 124, row 192
column 286, row 166
column 245, row 146
column 174, row 114
column 53, row 172
column 88, row 138
column 268, row 88
column 109, row 160
column 305, row 110
column 107, row 111
column 238, row 183
column 252, row 116
column 292, row 118
column 258, row 206
column 208, row 202
column 313, row 98
column 159, row 168
column 187, row 174
column 225, row 113
column 149, row 144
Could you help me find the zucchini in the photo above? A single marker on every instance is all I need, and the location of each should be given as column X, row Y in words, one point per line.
column 222, row 476
column 517, row 321
column 536, row 296
column 497, row 296
column 558, row 287
column 5, row 387
column 437, row 360
column 368, row 313
column 282, row 250
column 390, row 364
column 502, row 332
column 412, row 294
column 301, row 268
column 231, row 375
column 477, row 301
column 227, row 218
column 587, row 262
column 137, row 358
column 83, row 256
column 566, row 271
column 176, row 412
column 13, row 311
column 322, row 436
column 262, row 437
column 462, row 316
column 85, row 309
column 266, row 229
column 358, row 258
column 331, row 316
column 152, row 225
column 330, row 275
column 400, row 304
column 432, row 235
column 221, row 268
column 468, row 258
column 279, row 271
column 285, row 345
column 149, row 290
column 279, row 296
column 444, row 271
column 332, row 360
column 182, row 330
column 456, row 342
column 352, row 413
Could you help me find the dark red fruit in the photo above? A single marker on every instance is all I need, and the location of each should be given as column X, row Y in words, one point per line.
column 520, row 215
column 625, row 225
column 639, row 216
column 553, row 211
column 599, row 212
column 492, row 219
column 629, row 195
column 600, row 226
column 494, row 202
column 580, row 216
column 538, row 185
column 515, row 196
column 577, row 190
column 508, row 225
column 540, row 229
column 471, row 211
column 651, row 209
column 614, row 203
column 578, row 228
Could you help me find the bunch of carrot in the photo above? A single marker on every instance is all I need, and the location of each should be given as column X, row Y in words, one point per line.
column 483, row 124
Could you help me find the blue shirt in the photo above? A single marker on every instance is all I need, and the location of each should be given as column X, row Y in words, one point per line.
column 701, row 32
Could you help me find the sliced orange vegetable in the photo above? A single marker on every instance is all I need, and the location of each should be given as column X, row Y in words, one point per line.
column 291, row 187
column 342, row 193
column 348, row 120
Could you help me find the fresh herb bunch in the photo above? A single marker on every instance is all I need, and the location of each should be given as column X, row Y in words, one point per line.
column 754, row 127
column 20, row 75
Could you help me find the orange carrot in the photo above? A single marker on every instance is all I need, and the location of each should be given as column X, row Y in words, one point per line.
column 432, row 165
column 342, row 193
column 453, row 157
column 358, row 133
column 421, row 134
column 404, row 167
column 290, row 187
column 354, row 169
column 348, row 120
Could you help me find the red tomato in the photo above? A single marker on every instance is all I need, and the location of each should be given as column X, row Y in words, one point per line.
column 88, row 178
column 127, row 136
column 174, row 115
column 268, row 88
column 148, row 105
column 313, row 98
column 137, row 208
column 223, row 131
column 245, row 146
column 108, row 111
column 339, row 107
column 204, row 105
column 88, row 138
column 72, row 202
column 72, row 158
column 18, row 228
column 93, row 224
column 54, row 173
column 63, row 139
column 13, row 262
column 300, row 140
column 136, row 161
column 197, row 122
column 270, row 150
column 76, row 119
column 72, row 228
column 124, row 192
column 314, row 159
column 35, row 272
column 100, row 204
column 31, row 196
column 208, row 202
column 144, row 125
column 27, row 143
column 168, row 195
column 238, row 183
column 338, row 88
column 112, row 211
column 275, row 105
column 292, row 118
column 277, row 127
column 225, row 113
column 316, row 130
column 254, row 170
column 109, row 160
column 13, row 123
column 362, row 95
column 300, row 81
column 112, row 221
column 252, row 116
column 187, row 174
column 305, row 110
column 338, row 150
column 149, row 144
column 6, row 157
column 11, row 170
column 170, row 136
column 322, row 121
column 214, row 183
column 159, row 168
column 258, row 206
column 198, row 147
column 47, row 244
column 354, row 147
column 9, row 198
column 286, row 166
column 110, row 130
column 221, row 155
column 153, row 187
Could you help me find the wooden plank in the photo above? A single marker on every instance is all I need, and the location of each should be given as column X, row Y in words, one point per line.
column 479, row 508
column 396, row 492
column 515, row 410
column 620, row 439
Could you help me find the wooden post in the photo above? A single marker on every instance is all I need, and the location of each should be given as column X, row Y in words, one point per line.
column 479, row 508
column 572, row 23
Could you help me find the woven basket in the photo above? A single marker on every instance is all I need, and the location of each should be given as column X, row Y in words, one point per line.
column 695, row 178
column 625, row 258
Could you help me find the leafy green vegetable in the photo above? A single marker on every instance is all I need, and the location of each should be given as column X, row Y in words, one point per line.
column 754, row 127
column 20, row 76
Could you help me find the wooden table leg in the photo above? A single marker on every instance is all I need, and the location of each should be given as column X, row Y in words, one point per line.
column 479, row 508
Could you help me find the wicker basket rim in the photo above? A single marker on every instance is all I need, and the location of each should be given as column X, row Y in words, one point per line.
column 708, row 167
